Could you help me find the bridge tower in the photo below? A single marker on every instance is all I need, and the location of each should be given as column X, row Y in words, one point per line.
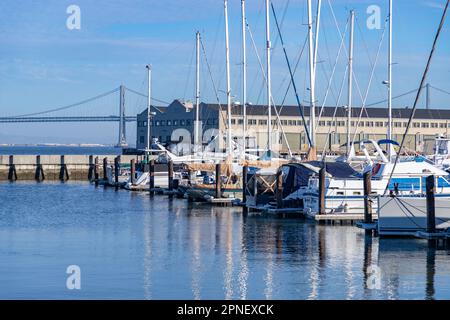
column 122, row 123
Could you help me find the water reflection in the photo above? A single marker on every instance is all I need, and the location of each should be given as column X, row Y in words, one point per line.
column 132, row 246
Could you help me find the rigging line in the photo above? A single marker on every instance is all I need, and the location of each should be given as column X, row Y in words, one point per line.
column 216, row 93
column 422, row 82
column 332, row 74
column 292, row 77
column 333, row 119
column 145, row 96
column 69, row 106
column 370, row 82
column 273, row 102
column 295, row 71
column 402, row 206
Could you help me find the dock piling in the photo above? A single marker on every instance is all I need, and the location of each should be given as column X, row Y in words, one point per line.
column 431, row 209
column 218, row 193
column 105, row 165
column 367, row 199
column 116, row 171
column 244, row 189
column 96, row 176
column 133, row 171
column 170, row 178
column 39, row 174
column 12, row 174
column 63, row 172
column 91, row 175
column 152, row 177
column 322, row 191
column 279, row 189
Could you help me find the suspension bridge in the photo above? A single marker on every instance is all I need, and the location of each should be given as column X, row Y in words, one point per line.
column 106, row 107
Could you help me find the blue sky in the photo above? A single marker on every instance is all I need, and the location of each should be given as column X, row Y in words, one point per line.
column 45, row 65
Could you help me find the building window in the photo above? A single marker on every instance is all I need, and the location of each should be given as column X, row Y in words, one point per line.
column 233, row 121
column 397, row 124
column 240, row 121
column 434, row 125
column 145, row 123
column 341, row 123
column 299, row 122
column 262, row 122
column 425, row 125
column 442, row 125
column 188, row 122
column 169, row 123
column 157, row 123
column 182, row 122
column 175, row 122
column 251, row 121
column 379, row 124
column 141, row 139
column 369, row 124
column 322, row 123
column 163, row 122
column 416, row 125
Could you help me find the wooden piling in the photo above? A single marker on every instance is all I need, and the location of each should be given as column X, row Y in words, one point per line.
column 170, row 177
column 12, row 174
column 39, row 174
column 244, row 189
column 218, row 181
column 322, row 191
column 367, row 199
column 96, row 175
column 91, row 175
column 63, row 172
column 152, row 177
column 116, row 171
column 431, row 209
column 279, row 189
column 105, row 165
column 133, row 171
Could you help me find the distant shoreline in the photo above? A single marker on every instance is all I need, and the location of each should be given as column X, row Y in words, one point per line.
column 59, row 145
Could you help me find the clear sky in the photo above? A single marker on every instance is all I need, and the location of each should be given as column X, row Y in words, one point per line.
column 43, row 64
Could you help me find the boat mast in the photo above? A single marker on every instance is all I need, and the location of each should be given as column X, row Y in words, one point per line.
column 350, row 81
column 197, row 97
column 390, row 82
column 312, row 117
column 244, row 76
column 316, row 46
column 149, row 103
column 269, row 79
column 227, row 54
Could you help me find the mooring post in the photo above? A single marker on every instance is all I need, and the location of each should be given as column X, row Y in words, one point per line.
column 367, row 200
column 152, row 177
column 91, row 168
column 133, row 171
column 96, row 171
column 63, row 172
column 12, row 174
column 279, row 189
column 116, row 171
column 244, row 189
column 322, row 191
column 170, row 177
column 431, row 209
column 218, row 181
column 39, row 175
column 105, row 165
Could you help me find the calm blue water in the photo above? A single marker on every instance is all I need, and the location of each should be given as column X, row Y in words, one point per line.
column 131, row 247
column 57, row 150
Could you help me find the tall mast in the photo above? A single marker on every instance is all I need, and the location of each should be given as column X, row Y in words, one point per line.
column 390, row 127
column 316, row 45
column 269, row 79
column 244, row 75
column 197, row 96
column 350, row 81
column 312, row 117
column 149, row 103
column 227, row 54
